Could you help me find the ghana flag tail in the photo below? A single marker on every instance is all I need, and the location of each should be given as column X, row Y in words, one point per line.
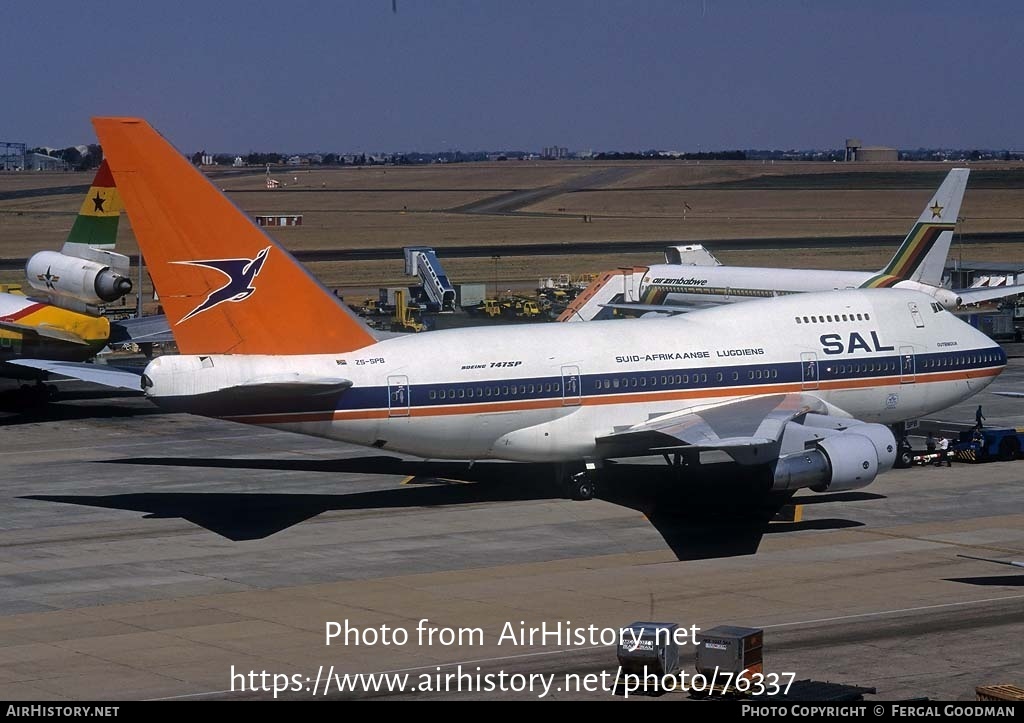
column 922, row 255
column 98, row 217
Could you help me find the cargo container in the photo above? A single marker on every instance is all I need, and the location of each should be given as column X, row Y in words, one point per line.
column 470, row 295
column 730, row 649
column 646, row 648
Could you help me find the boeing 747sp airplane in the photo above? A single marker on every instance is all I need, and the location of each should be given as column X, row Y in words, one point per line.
column 803, row 386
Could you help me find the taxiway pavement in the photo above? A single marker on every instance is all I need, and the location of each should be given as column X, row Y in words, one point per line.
column 142, row 555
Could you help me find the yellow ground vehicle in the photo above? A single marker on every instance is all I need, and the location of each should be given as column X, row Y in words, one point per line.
column 403, row 319
column 491, row 307
column 527, row 309
column 370, row 306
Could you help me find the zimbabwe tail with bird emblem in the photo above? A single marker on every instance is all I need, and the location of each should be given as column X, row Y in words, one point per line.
column 922, row 255
column 227, row 287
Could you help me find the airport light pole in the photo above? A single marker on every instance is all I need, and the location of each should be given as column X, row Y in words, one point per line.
column 138, row 294
column 961, row 220
column 495, row 259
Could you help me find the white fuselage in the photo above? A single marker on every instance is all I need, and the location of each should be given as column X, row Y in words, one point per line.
column 688, row 284
column 546, row 392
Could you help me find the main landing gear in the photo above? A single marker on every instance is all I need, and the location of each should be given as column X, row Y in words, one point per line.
column 37, row 393
column 905, row 455
column 579, row 485
column 582, row 486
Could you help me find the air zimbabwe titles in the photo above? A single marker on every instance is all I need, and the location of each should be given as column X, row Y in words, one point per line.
column 662, row 357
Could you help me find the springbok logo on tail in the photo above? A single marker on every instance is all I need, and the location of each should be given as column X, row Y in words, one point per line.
column 241, row 274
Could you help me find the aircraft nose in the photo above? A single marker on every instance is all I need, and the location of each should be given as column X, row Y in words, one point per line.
column 985, row 342
column 151, row 377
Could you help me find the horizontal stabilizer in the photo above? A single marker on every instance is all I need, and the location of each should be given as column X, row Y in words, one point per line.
column 987, row 293
column 144, row 330
column 96, row 373
column 48, row 332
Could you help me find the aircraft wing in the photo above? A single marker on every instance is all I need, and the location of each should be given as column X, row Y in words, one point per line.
column 49, row 332
column 752, row 430
column 290, row 385
column 107, row 376
column 144, row 330
column 1010, row 394
column 656, row 308
column 987, row 293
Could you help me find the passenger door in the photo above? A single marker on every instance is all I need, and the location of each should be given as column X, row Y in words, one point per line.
column 907, row 365
column 398, row 395
column 571, row 384
column 809, row 370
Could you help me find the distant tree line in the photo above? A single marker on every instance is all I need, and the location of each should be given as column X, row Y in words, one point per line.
column 661, row 156
column 951, row 154
column 262, row 159
column 359, row 159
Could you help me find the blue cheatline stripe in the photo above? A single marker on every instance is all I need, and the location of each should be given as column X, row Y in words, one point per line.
column 746, row 378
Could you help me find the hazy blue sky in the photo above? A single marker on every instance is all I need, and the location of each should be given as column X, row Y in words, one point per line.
column 588, row 74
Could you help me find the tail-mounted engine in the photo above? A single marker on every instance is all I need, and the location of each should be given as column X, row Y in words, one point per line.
column 949, row 300
column 80, row 284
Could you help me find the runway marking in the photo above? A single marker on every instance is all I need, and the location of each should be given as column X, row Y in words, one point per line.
column 937, row 541
column 596, row 647
column 893, row 612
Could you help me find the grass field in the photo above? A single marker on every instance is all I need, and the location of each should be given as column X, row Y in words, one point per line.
column 392, row 207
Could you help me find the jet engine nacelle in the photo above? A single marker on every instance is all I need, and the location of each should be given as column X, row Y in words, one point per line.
column 78, row 280
column 949, row 300
column 848, row 460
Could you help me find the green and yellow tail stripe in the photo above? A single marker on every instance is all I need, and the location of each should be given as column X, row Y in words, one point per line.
column 911, row 254
column 654, row 295
column 100, row 213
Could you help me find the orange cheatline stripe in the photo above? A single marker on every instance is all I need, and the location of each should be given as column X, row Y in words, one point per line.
column 838, row 384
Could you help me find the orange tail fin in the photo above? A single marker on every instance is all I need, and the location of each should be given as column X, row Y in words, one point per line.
column 227, row 287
